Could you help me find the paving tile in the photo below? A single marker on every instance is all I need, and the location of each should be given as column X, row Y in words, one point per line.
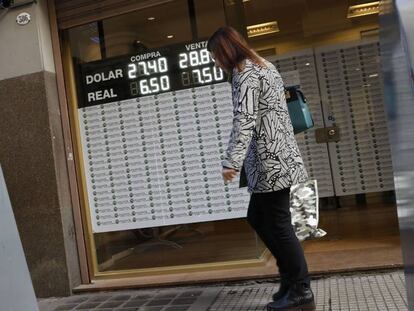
column 159, row 302
column 166, row 295
column 151, row 308
column 88, row 305
column 135, row 303
column 76, row 299
column 66, row 307
column 121, row 298
column 111, row 304
column 177, row 308
column 141, row 296
column 99, row 298
column 184, row 301
column 191, row 293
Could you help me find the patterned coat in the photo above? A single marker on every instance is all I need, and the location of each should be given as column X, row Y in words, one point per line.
column 262, row 136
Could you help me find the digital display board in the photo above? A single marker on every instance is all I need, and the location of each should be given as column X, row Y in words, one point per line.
column 153, row 130
column 155, row 71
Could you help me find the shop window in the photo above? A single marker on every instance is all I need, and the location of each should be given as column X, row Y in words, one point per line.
column 115, row 249
column 321, row 46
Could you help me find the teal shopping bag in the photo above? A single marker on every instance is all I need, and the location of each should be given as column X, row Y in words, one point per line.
column 298, row 110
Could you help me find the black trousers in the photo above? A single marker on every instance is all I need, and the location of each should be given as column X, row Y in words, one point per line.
column 270, row 217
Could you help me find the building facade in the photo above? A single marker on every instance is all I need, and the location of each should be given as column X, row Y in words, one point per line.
column 115, row 120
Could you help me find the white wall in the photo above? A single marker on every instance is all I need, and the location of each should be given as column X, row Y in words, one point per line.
column 25, row 49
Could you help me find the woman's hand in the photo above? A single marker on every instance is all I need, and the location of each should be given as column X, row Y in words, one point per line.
column 228, row 174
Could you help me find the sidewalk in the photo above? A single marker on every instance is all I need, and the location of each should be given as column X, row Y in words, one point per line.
column 363, row 291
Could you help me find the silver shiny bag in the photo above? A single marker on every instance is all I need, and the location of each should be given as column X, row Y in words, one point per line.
column 304, row 207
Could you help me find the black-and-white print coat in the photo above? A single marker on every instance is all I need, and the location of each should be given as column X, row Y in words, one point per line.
column 262, row 136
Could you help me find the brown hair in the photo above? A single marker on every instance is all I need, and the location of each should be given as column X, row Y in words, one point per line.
column 231, row 49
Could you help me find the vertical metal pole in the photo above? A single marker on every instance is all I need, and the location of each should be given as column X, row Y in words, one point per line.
column 193, row 19
column 235, row 15
column 101, row 39
column 241, row 18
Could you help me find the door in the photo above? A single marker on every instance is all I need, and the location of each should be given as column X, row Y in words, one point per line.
column 343, row 87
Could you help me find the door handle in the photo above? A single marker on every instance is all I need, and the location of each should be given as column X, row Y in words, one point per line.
column 327, row 134
column 331, row 132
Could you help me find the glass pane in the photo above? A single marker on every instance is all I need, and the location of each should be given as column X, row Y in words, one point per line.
column 209, row 16
column 199, row 243
column 135, row 34
column 330, row 49
column 147, row 29
column 85, row 43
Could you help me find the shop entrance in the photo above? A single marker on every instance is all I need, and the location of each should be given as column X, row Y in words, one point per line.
column 329, row 49
column 348, row 152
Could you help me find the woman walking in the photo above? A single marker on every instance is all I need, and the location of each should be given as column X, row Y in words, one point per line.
column 263, row 144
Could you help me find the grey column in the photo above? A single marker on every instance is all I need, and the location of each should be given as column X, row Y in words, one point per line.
column 32, row 151
column 397, row 48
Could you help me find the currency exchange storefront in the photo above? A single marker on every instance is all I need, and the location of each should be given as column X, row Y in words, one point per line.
column 150, row 116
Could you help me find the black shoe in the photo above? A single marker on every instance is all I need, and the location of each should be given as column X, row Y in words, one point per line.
column 283, row 289
column 298, row 298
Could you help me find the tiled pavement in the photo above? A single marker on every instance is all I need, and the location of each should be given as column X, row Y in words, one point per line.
column 368, row 291
column 175, row 299
column 380, row 291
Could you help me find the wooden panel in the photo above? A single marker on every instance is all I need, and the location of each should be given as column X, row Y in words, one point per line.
column 73, row 183
column 71, row 13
